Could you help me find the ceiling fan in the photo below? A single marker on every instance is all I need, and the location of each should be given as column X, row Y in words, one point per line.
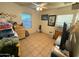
column 39, row 6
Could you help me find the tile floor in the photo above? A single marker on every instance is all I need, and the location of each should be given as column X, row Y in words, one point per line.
column 36, row 45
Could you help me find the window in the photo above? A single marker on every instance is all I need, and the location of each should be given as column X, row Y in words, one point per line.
column 64, row 18
column 27, row 20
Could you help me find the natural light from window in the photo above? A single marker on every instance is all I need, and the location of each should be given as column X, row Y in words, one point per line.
column 27, row 20
column 64, row 18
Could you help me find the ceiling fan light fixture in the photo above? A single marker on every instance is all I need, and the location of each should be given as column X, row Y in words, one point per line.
column 39, row 9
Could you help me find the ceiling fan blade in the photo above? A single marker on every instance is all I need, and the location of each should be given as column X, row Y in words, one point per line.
column 35, row 4
column 43, row 4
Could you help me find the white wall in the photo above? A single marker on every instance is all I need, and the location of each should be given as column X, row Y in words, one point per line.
column 46, row 28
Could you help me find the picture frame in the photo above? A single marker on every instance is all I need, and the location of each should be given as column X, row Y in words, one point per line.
column 51, row 20
column 44, row 17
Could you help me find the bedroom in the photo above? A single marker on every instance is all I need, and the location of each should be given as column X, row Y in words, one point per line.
column 37, row 35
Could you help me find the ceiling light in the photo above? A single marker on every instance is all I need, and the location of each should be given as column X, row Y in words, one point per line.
column 39, row 9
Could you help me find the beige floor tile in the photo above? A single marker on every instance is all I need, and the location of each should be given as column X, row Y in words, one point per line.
column 37, row 44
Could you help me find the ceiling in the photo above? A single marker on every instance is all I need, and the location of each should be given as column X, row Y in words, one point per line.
column 49, row 4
